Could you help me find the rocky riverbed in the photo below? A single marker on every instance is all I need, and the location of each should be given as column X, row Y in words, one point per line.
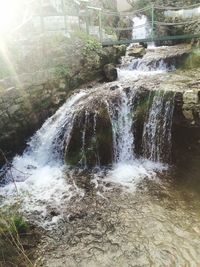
column 157, row 224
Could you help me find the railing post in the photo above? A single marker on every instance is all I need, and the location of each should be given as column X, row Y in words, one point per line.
column 152, row 21
column 100, row 26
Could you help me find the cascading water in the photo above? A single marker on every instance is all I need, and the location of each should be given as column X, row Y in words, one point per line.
column 43, row 166
column 134, row 67
column 143, row 66
column 63, row 180
column 39, row 172
column 122, row 121
column 106, row 123
column 83, row 160
column 157, row 127
column 141, row 27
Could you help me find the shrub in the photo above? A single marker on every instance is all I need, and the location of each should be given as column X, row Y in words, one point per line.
column 14, row 225
column 12, row 252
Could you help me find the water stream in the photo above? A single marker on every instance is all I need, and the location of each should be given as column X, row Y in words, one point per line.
column 157, row 127
column 122, row 123
column 40, row 173
column 141, row 27
column 123, row 212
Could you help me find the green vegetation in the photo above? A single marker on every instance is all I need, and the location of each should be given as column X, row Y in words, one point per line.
column 48, row 52
column 62, row 71
column 91, row 46
column 193, row 60
column 13, row 225
column 13, row 229
column 98, row 147
column 86, row 43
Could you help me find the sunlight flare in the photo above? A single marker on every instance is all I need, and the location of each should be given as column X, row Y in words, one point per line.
column 9, row 13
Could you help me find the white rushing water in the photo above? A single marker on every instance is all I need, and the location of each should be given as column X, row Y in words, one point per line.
column 40, row 173
column 122, row 122
column 141, row 27
column 139, row 67
column 157, row 127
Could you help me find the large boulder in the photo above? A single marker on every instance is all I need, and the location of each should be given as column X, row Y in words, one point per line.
column 136, row 51
column 91, row 139
column 110, row 72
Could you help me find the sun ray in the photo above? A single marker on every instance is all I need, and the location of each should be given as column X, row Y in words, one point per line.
column 6, row 57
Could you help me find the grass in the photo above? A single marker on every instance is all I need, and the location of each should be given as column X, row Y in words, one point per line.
column 13, row 229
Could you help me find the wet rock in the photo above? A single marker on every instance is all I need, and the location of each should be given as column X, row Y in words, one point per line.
column 145, row 45
column 77, row 216
column 91, row 138
column 188, row 114
column 113, row 54
column 136, row 51
column 190, row 97
column 114, row 87
column 110, row 72
column 191, row 107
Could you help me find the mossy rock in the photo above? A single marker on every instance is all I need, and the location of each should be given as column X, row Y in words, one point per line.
column 141, row 105
column 193, row 60
column 104, row 137
column 91, row 139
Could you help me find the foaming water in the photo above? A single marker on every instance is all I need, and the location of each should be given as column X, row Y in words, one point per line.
column 138, row 68
column 45, row 181
column 128, row 175
column 131, row 74
column 159, row 123
column 141, row 27
column 39, row 174
column 122, row 122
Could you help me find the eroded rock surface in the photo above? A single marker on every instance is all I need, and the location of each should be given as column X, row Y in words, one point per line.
column 136, row 51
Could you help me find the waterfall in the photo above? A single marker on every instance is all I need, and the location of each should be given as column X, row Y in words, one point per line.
column 143, row 66
column 40, row 173
column 83, row 160
column 140, row 67
column 141, row 27
column 122, row 121
column 47, row 144
column 95, row 140
column 157, row 128
column 50, row 144
column 96, row 128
